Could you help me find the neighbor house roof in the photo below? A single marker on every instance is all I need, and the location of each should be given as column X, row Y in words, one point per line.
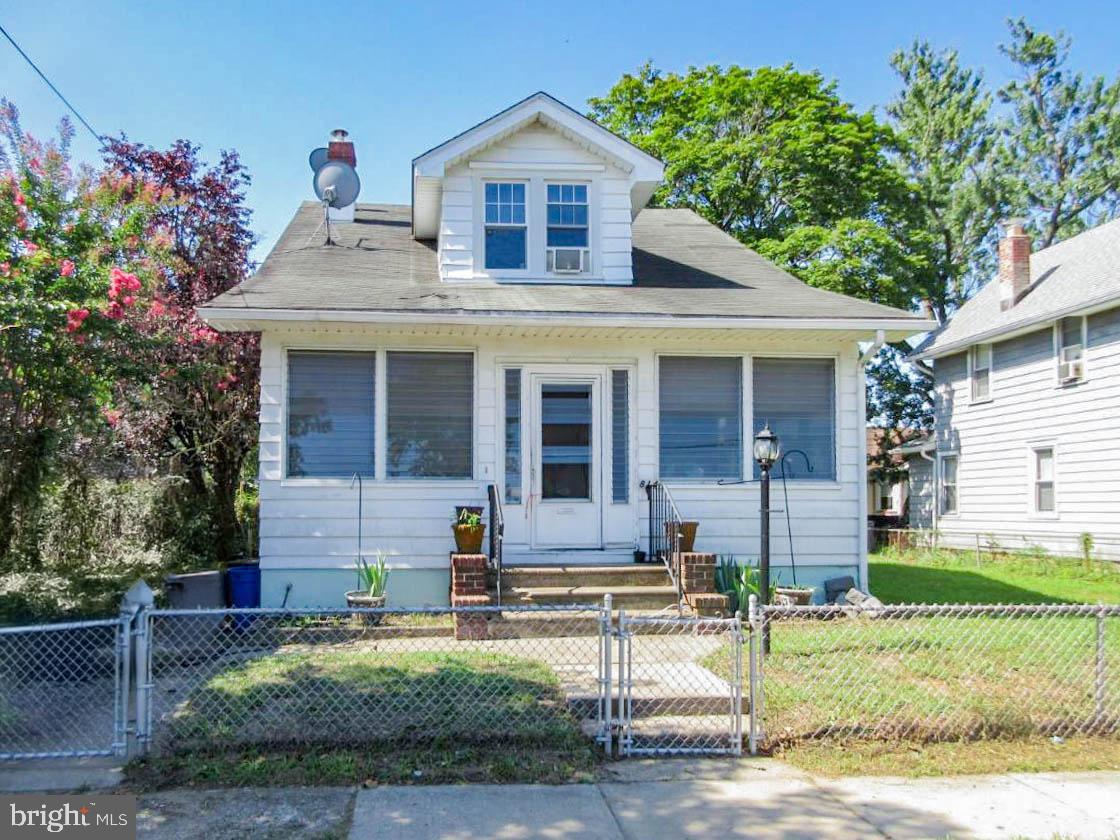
column 1080, row 274
column 684, row 267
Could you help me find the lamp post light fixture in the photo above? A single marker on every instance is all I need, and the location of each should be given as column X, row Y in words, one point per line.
column 767, row 450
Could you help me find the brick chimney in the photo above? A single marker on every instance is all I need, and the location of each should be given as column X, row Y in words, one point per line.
column 1014, row 263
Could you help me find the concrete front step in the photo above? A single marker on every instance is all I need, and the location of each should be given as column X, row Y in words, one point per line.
column 631, row 574
column 629, row 597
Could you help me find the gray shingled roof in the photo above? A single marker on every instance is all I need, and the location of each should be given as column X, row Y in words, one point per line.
column 683, row 266
column 1076, row 274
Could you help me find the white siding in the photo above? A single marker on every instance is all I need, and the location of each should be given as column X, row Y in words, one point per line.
column 1028, row 408
column 312, row 524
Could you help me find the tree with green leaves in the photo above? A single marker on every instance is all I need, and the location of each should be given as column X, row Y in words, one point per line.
column 1063, row 137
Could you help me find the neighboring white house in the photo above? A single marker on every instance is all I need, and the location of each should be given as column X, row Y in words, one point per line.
column 525, row 324
column 1027, row 402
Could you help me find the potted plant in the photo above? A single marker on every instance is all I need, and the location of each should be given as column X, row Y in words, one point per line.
column 373, row 579
column 687, row 531
column 798, row 595
column 468, row 530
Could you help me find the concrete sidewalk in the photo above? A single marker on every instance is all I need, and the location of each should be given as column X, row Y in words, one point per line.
column 764, row 799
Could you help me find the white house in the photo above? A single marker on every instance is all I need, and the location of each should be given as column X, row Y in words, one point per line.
column 1026, row 449
column 527, row 325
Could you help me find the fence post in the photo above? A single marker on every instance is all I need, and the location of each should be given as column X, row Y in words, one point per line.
column 978, row 550
column 136, row 602
column 737, row 711
column 606, row 707
column 122, row 699
column 752, row 675
column 1099, row 694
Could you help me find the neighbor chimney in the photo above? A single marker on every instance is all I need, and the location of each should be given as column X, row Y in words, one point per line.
column 1014, row 263
column 341, row 147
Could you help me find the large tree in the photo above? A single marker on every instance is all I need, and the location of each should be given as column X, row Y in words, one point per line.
column 196, row 413
column 1063, row 137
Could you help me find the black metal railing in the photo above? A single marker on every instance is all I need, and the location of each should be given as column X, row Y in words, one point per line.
column 665, row 532
column 497, row 533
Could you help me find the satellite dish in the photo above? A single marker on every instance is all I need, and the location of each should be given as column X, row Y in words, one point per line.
column 336, row 184
column 317, row 158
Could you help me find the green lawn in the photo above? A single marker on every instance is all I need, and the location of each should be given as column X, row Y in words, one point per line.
column 945, row 577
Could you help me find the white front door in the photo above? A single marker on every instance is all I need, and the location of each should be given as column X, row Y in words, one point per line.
column 566, row 462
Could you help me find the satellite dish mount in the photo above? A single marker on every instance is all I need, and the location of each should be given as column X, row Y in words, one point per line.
column 335, row 181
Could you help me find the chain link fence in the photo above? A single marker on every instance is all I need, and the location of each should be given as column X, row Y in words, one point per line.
column 62, row 689
column 273, row 678
column 935, row 672
column 680, row 685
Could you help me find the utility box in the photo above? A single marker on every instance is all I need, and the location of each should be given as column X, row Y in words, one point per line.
column 196, row 590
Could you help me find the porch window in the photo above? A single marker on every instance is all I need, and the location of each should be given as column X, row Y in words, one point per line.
column 513, row 435
column 701, row 417
column 947, row 503
column 505, row 233
column 796, row 398
column 1043, row 458
column 620, row 436
column 981, row 362
column 330, row 414
column 430, row 415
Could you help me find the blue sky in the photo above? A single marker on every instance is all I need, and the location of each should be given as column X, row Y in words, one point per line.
column 270, row 79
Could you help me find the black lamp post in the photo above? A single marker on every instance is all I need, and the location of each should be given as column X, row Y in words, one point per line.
column 766, row 452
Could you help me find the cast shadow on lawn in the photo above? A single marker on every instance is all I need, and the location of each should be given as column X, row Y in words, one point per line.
column 900, row 583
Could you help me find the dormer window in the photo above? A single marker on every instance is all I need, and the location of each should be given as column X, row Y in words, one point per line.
column 506, row 239
column 567, row 238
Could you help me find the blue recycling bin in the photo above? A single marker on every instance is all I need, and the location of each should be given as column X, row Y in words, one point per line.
column 244, row 590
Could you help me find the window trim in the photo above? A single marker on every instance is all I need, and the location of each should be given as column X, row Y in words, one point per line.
column 526, row 225
column 1033, row 448
column 380, row 415
column 589, row 247
column 747, row 411
column 972, row 369
column 1057, row 336
column 941, row 458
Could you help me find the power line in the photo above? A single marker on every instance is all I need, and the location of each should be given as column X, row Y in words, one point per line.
column 57, row 92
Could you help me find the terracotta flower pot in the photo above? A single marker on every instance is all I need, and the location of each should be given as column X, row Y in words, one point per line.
column 363, row 600
column 688, row 535
column 468, row 538
column 796, row 594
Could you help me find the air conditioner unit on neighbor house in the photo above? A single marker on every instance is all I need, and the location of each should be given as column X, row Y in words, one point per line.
column 1071, row 367
column 569, row 260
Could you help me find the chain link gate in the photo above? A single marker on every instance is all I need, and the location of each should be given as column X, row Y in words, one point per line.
column 680, row 685
column 64, row 689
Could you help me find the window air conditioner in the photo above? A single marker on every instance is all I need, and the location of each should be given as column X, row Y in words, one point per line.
column 569, row 260
column 1071, row 367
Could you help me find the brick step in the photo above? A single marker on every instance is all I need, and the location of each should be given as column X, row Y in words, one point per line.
column 630, row 597
column 633, row 574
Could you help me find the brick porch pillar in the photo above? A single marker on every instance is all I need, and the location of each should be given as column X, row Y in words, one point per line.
column 698, row 580
column 468, row 589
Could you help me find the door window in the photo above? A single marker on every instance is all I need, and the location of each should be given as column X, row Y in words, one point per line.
column 565, row 441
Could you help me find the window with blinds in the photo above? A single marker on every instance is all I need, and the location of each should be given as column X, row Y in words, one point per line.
column 700, row 423
column 796, row 398
column 513, row 435
column 330, row 414
column 430, row 415
column 620, row 436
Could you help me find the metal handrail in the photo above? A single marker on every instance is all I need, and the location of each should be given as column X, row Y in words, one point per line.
column 664, row 541
column 497, row 534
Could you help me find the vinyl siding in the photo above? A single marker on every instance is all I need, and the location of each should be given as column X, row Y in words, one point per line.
column 1028, row 408
column 312, row 524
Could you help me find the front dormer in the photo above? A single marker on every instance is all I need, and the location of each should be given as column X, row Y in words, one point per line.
column 535, row 194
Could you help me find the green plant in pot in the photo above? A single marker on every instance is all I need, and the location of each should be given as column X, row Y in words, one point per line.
column 798, row 595
column 372, row 578
column 468, row 530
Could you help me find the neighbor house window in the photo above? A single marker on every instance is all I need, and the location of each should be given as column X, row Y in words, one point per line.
column 430, row 415
column 567, row 237
column 981, row 372
column 886, row 500
column 330, row 414
column 506, row 233
column 620, row 436
column 948, row 498
column 513, row 435
column 701, row 417
column 797, row 399
column 1071, row 350
column 1043, row 458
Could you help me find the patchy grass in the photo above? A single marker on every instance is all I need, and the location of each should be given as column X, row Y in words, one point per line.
column 924, row 576
column 569, row 759
column 900, row 758
column 370, row 696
